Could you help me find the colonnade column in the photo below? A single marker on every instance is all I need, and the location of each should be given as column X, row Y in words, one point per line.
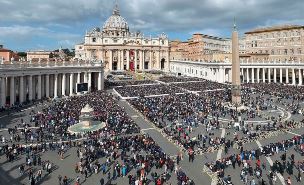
column 287, row 78
column 78, row 78
column 293, row 77
column 2, row 92
column 63, row 87
column 71, row 83
column 264, row 80
column 275, row 75
column 258, row 75
column 30, row 87
column 47, row 85
column 269, row 75
column 55, row 85
column 12, row 90
column 21, row 89
column 300, row 77
column 281, row 75
column 39, row 87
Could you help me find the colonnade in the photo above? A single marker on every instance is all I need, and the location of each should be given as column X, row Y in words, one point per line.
column 21, row 88
column 293, row 76
column 250, row 72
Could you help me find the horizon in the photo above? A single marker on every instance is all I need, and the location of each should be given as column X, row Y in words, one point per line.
column 33, row 25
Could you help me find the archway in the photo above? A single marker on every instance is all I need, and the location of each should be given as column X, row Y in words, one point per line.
column 162, row 64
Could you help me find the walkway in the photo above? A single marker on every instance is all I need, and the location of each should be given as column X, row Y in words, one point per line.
column 193, row 170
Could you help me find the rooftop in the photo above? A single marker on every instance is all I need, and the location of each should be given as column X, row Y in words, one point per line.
column 274, row 28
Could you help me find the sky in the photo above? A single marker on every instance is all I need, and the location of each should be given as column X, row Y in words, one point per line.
column 48, row 24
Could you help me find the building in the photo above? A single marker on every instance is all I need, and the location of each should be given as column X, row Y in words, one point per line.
column 7, row 55
column 20, row 82
column 281, row 43
column 121, row 49
column 203, row 47
column 38, row 55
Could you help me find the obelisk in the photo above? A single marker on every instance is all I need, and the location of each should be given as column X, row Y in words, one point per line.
column 236, row 79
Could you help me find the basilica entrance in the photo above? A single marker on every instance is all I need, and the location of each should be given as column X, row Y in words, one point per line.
column 131, row 67
column 162, row 64
column 114, row 66
column 146, row 65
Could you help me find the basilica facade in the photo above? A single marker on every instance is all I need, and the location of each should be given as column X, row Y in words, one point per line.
column 119, row 49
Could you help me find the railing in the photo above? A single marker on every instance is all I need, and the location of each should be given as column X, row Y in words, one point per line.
column 13, row 65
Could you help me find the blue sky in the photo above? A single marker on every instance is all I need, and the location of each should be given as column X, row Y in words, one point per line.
column 49, row 24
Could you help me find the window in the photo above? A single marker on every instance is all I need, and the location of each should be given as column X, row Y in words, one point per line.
column 93, row 39
column 106, row 41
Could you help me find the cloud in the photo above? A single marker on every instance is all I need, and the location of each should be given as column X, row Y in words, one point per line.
column 70, row 18
column 23, row 34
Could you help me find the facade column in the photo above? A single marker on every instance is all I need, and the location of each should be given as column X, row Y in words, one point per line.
column 47, row 85
column 135, row 60
column 252, row 75
column 55, row 85
column 293, row 77
column 39, row 87
column 71, row 83
column 110, row 60
column 264, row 80
column 128, row 59
column 30, row 87
column 89, row 81
column 287, row 78
column 281, row 75
column 21, row 89
column 2, row 93
column 140, row 60
column 247, row 75
column 275, row 75
column 150, row 61
column 300, row 77
column 122, row 65
column 258, row 75
column 12, row 91
column 63, row 84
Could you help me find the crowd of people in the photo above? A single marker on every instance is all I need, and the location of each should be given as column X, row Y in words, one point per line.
column 252, row 166
column 129, row 82
column 201, row 86
column 147, row 90
column 170, row 79
column 118, row 150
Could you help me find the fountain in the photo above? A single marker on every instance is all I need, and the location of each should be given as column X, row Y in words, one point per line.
column 86, row 122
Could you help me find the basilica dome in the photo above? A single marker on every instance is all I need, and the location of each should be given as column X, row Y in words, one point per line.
column 116, row 24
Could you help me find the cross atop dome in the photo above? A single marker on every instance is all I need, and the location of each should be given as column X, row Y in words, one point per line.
column 116, row 8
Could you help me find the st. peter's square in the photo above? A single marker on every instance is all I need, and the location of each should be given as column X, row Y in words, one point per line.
column 145, row 92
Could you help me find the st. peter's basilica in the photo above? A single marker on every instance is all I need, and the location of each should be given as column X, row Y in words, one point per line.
column 121, row 49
